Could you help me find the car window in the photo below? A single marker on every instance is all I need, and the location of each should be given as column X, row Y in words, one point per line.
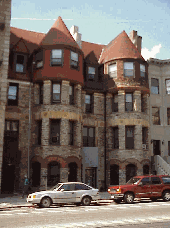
column 155, row 180
column 145, row 180
column 81, row 187
column 166, row 180
column 68, row 187
column 133, row 180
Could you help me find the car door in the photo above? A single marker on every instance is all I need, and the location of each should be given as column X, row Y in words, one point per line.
column 143, row 189
column 65, row 194
column 156, row 187
column 81, row 190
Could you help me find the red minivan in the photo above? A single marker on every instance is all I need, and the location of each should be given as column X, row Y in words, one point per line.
column 148, row 186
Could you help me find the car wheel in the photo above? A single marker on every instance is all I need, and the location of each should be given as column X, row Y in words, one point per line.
column 86, row 201
column 46, row 202
column 166, row 196
column 154, row 199
column 117, row 200
column 129, row 198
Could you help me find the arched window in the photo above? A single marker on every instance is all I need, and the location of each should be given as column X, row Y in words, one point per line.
column 53, row 173
column 131, row 171
column 114, row 175
column 145, row 169
column 36, row 167
column 72, row 176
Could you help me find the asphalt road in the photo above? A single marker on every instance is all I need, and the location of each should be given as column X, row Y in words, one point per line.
column 143, row 214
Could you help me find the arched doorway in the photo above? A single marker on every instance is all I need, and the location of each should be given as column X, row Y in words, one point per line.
column 53, row 173
column 131, row 171
column 145, row 169
column 72, row 175
column 36, row 167
column 114, row 175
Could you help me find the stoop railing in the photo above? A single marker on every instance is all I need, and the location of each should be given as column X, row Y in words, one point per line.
column 161, row 166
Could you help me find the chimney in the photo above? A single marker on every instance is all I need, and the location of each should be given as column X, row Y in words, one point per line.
column 76, row 35
column 136, row 40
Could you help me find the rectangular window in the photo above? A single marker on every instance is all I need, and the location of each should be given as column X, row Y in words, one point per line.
column 91, row 73
column 55, row 132
column 142, row 70
column 112, row 70
column 143, row 103
column 71, row 133
column 115, row 103
column 128, row 102
column 74, row 59
column 129, row 137
column 20, row 64
column 154, row 86
column 13, row 94
column 156, row 147
column 56, row 93
column 168, row 116
column 39, row 59
column 115, row 139
column 11, row 125
column 56, row 57
column 40, row 93
column 145, row 136
column 88, row 136
column 156, row 115
column 128, row 69
column 71, row 94
column 167, row 86
column 39, row 132
column 89, row 103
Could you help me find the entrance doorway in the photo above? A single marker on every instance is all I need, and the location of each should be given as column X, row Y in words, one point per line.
column 145, row 169
column 36, row 167
column 90, row 176
column 156, row 147
column 53, row 173
column 131, row 171
column 72, row 176
column 114, row 175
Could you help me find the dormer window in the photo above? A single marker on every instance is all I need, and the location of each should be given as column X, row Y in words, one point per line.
column 112, row 70
column 20, row 63
column 56, row 57
column 142, row 70
column 39, row 59
column 74, row 59
column 128, row 69
column 91, row 73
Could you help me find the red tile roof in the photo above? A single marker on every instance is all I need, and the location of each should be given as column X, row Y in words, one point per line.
column 59, row 34
column 88, row 47
column 120, row 47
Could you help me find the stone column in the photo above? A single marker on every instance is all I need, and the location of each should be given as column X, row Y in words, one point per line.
column 43, row 178
column 36, row 93
column 108, row 103
column 47, row 91
column 137, row 101
column 65, row 92
column 122, row 175
column 77, row 92
column 121, row 101
column 63, row 174
column 138, row 137
column 64, row 132
column 83, row 101
column 121, row 137
column 98, row 103
column 77, row 134
column 45, row 132
column 79, row 174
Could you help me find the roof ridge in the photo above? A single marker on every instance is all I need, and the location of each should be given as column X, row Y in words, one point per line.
column 27, row 30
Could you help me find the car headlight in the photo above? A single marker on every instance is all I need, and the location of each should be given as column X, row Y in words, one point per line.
column 108, row 189
column 118, row 190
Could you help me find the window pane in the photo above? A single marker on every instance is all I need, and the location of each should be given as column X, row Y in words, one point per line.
column 14, row 126
column 154, row 82
column 74, row 56
column 142, row 68
column 19, row 67
column 12, row 92
column 129, row 132
column 87, row 99
column 128, row 66
column 57, row 54
column 112, row 68
column 84, row 131
column 128, row 97
column 91, row 70
column 70, row 90
column 91, row 132
column 7, row 125
column 56, row 88
column 155, row 180
column 20, row 59
column 168, row 86
column 154, row 90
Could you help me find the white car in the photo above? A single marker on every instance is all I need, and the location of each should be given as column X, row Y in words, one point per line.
column 65, row 193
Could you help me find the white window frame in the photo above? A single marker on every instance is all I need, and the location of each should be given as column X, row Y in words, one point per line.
column 142, row 70
column 128, row 66
column 56, row 57
column 112, row 70
column 74, row 59
column 167, row 86
column 91, row 73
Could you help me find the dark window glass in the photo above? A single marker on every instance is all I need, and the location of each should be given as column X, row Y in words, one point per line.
column 154, row 86
column 82, row 187
column 115, row 138
column 56, row 93
column 89, row 103
column 115, row 103
column 13, row 94
column 168, row 116
column 88, row 136
column 74, row 59
column 55, row 132
column 71, row 94
column 145, row 135
column 39, row 59
column 41, row 94
column 167, row 86
column 155, row 180
column 156, row 115
column 145, row 180
column 128, row 102
column 129, row 135
column 39, row 132
column 168, row 148
column 71, row 133
column 142, row 70
column 156, row 147
column 20, row 64
column 166, row 180
column 68, row 187
column 143, row 103
column 128, row 69
column 91, row 73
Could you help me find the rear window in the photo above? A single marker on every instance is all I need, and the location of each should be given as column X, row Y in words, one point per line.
column 166, row 180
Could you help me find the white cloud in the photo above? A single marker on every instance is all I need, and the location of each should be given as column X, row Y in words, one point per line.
column 146, row 53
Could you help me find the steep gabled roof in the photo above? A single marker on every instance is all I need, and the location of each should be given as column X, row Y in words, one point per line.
column 119, row 48
column 88, row 47
column 59, row 34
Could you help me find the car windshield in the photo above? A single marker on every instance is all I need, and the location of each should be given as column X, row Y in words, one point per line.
column 133, row 180
column 55, row 187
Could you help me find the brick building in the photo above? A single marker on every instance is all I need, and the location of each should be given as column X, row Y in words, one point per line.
column 75, row 111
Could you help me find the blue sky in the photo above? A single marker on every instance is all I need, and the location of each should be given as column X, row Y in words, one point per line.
column 101, row 21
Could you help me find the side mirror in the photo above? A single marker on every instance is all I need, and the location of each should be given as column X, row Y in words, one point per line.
column 141, row 183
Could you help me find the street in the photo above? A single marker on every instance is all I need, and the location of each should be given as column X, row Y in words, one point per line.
column 143, row 214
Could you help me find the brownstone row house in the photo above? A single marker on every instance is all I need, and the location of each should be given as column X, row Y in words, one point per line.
column 75, row 111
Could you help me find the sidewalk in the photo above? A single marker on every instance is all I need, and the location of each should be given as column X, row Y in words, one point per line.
column 11, row 201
